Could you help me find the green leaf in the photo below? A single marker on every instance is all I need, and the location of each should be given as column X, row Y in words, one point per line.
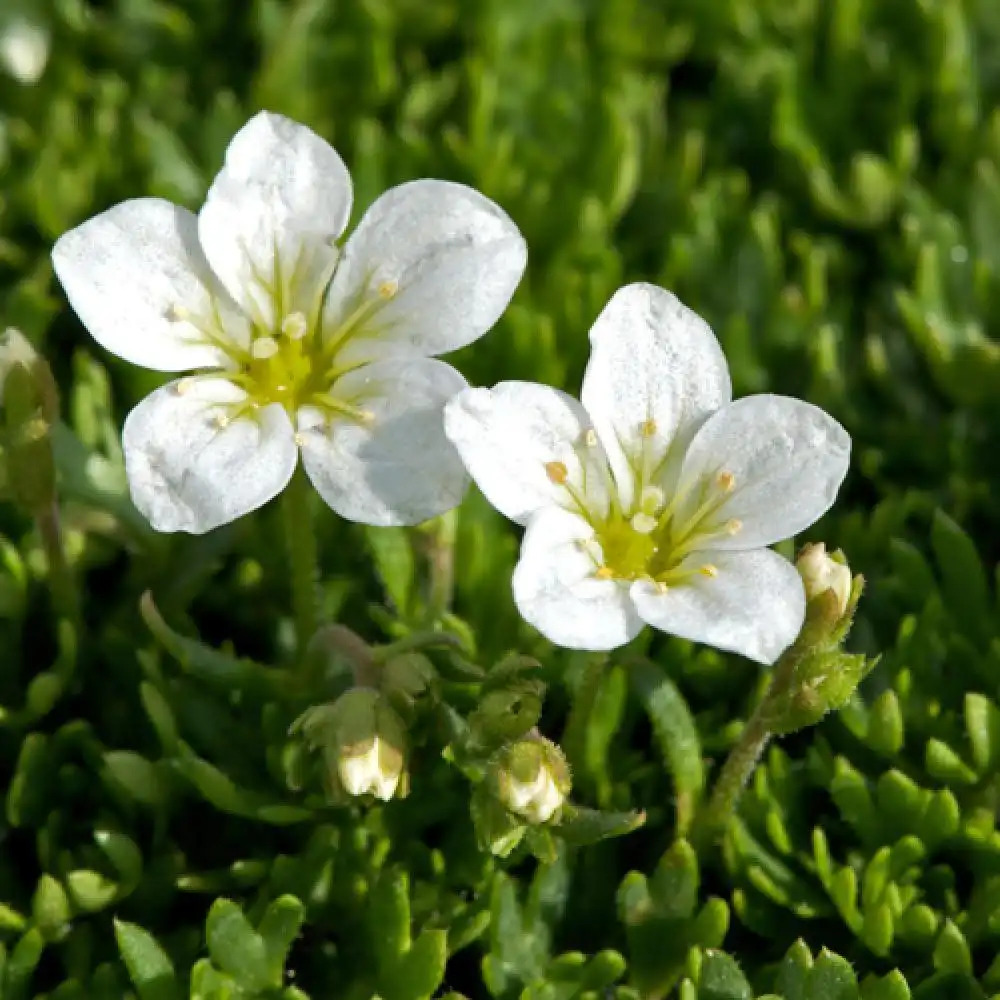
column 832, row 978
column 90, row 890
column 279, row 928
column 50, row 906
column 964, row 579
column 579, row 826
column 136, row 776
column 721, row 979
column 889, row 987
column 951, row 952
column 21, row 965
column 421, row 971
column 160, row 715
column 149, row 967
column 676, row 734
column 982, row 723
column 389, row 916
column 236, row 948
column 393, row 555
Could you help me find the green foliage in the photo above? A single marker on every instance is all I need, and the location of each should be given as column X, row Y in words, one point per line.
column 821, row 180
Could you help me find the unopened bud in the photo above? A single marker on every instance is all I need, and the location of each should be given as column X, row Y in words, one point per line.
column 371, row 768
column 363, row 742
column 532, row 779
column 821, row 571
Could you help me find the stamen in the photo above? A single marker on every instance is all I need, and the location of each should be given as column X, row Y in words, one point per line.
column 176, row 313
column 263, row 348
column 590, row 438
column 733, row 526
column 709, row 570
column 221, row 420
column 327, row 402
column 653, row 498
column 605, row 573
column 184, row 385
column 295, row 326
column 647, row 428
column 643, row 523
column 299, row 438
column 725, row 481
column 557, row 472
column 387, row 289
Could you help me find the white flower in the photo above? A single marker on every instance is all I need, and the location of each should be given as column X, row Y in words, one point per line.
column 653, row 502
column 372, row 768
column 24, row 50
column 309, row 347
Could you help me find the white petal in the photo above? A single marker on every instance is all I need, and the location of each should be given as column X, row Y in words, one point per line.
column 787, row 460
column 655, row 371
column 398, row 467
column 271, row 216
column 556, row 591
column 754, row 605
column 188, row 473
column 517, row 438
column 132, row 271
column 452, row 257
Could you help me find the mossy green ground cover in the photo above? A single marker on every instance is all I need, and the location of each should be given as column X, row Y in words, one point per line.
column 821, row 180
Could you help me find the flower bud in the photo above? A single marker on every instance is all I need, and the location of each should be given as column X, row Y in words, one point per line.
column 532, row 779
column 821, row 572
column 363, row 742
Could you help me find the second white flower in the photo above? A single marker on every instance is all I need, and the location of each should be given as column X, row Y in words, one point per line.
column 654, row 501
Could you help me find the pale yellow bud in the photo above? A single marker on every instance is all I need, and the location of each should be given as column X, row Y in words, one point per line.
column 821, row 571
column 532, row 779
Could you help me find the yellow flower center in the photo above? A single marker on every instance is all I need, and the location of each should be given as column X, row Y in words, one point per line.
column 653, row 541
column 294, row 365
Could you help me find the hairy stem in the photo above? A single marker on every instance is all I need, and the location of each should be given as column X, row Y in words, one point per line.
column 303, row 557
column 749, row 747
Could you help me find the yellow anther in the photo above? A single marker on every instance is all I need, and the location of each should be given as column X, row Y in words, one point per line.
column 661, row 587
column 366, row 418
column 387, row 289
column 263, row 348
column 557, row 472
column 643, row 523
column 734, row 526
column 648, row 427
column 183, row 385
column 725, row 481
column 653, row 498
column 221, row 420
column 295, row 326
column 709, row 570
column 605, row 573
column 299, row 438
column 590, row 438
column 177, row 314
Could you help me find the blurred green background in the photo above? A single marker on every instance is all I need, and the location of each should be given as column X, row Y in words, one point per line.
column 821, row 180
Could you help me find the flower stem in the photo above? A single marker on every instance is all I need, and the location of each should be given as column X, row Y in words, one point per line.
column 303, row 557
column 749, row 747
column 61, row 582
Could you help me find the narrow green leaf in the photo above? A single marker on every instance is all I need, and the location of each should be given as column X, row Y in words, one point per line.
column 676, row 734
column 236, row 948
column 149, row 967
